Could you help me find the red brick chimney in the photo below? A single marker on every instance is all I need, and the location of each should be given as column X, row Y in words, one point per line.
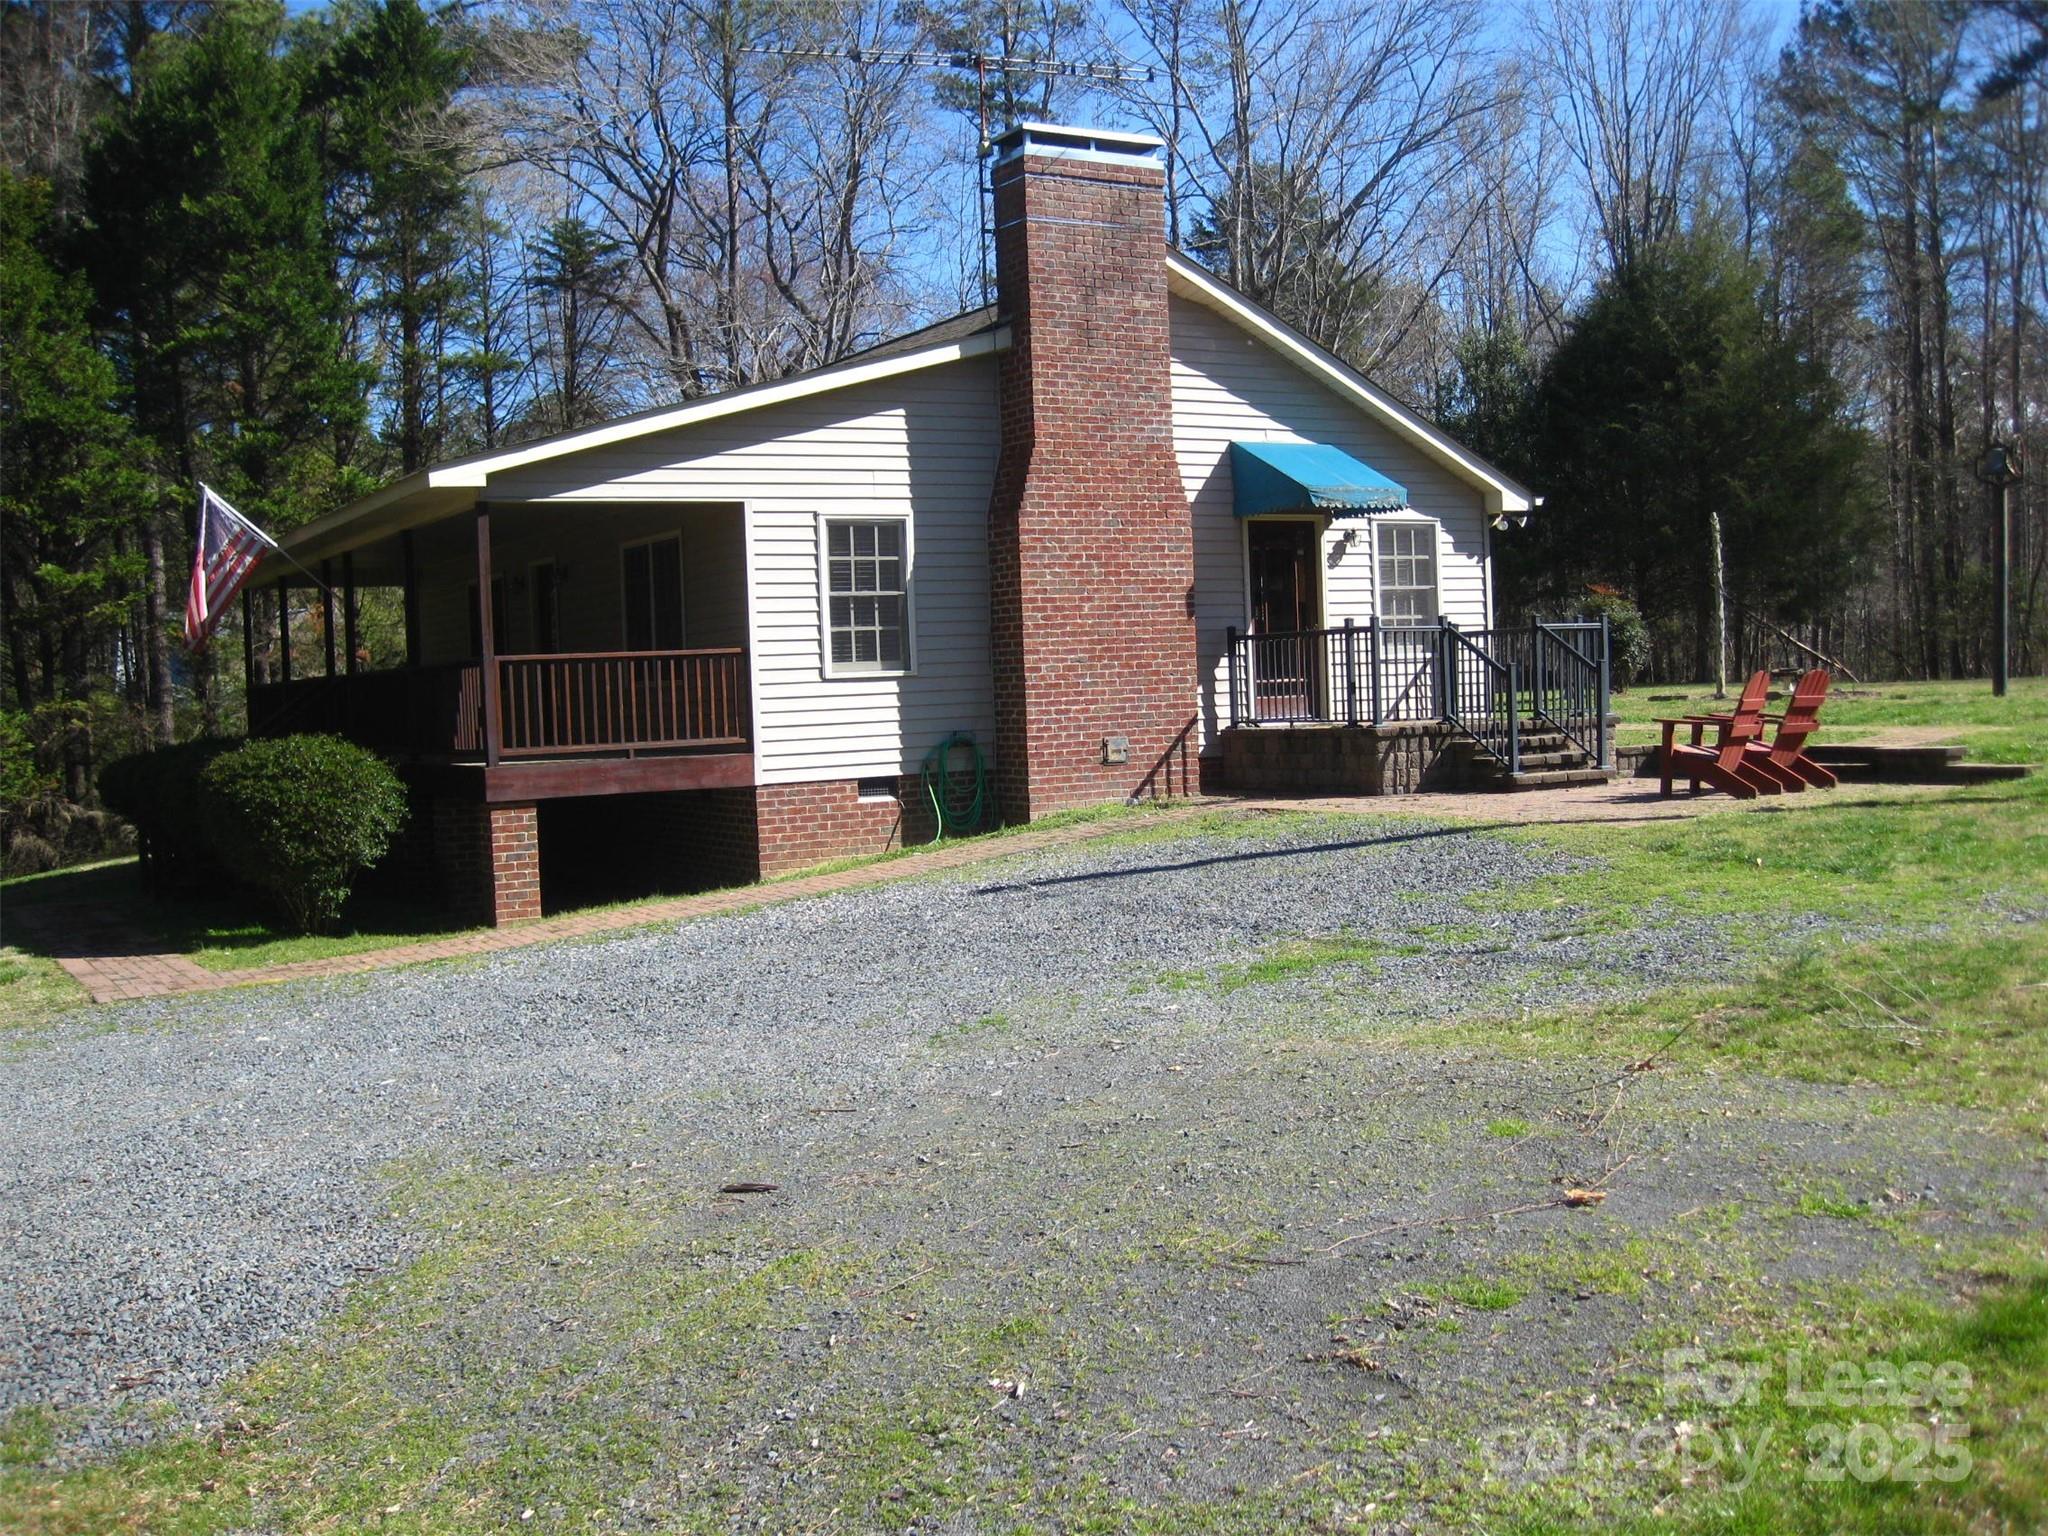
column 1091, row 552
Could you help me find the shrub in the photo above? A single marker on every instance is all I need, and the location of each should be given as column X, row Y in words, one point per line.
column 157, row 792
column 299, row 817
column 1628, row 637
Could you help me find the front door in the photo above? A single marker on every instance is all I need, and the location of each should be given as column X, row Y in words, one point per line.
column 1286, row 606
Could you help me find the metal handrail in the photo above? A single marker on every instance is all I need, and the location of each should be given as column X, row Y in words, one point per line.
column 1567, row 686
column 1482, row 697
column 1378, row 673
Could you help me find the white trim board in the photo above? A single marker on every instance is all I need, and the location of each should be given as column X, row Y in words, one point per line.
column 430, row 494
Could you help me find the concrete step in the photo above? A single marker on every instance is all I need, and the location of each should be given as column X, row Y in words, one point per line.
column 1556, row 778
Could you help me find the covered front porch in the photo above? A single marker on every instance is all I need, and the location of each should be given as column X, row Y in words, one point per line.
column 525, row 664
column 564, row 651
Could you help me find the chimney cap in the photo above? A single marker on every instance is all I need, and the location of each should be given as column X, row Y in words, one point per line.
column 1057, row 141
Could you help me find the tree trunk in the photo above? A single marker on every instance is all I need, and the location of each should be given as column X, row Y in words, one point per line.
column 1720, row 604
column 156, row 639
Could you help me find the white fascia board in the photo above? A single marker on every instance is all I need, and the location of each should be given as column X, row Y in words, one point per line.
column 1502, row 494
column 429, row 494
column 477, row 470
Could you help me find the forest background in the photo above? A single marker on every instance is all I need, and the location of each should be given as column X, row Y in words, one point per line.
column 1744, row 295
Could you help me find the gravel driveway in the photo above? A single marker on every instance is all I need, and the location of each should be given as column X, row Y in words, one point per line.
column 187, row 1183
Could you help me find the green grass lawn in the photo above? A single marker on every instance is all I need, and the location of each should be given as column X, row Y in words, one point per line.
column 2009, row 730
column 1927, row 992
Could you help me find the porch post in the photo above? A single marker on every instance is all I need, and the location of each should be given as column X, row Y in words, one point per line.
column 1372, row 647
column 412, row 600
column 348, row 611
column 327, row 609
column 284, row 632
column 1350, row 670
column 1606, row 747
column 1446, row 670
column 487, row 639
column 1230, row 670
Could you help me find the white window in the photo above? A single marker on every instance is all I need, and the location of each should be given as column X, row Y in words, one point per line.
column 867, row 595
column 1407, row 554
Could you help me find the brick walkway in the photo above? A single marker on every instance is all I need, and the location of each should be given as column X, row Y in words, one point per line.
column 105, row 961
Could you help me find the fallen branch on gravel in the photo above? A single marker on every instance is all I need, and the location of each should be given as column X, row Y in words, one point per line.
column 1590, row 1194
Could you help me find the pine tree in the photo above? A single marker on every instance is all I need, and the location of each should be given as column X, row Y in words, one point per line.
column 208, row 246
column 401, row 202
column 1672, row 406
column 74, row 485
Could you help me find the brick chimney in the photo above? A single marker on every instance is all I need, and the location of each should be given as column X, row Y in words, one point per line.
column 1091, row 552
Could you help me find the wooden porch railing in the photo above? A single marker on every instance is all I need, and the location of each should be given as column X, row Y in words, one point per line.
column 557, row 705
column 621, row 701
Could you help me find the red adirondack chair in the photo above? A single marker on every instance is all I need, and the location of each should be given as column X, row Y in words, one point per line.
column 1726, row 765
column 1786, row 756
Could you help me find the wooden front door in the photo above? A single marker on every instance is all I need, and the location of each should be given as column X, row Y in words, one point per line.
column 1286, row 602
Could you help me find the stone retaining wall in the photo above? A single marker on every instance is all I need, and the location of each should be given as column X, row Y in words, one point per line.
column 1343, row 759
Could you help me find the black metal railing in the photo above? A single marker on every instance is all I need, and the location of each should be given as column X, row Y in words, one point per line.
column 1482, row 696
column 1485, row 683
column 1567, row 678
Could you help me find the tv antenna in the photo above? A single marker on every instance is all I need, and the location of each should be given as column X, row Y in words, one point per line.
column 984, row 67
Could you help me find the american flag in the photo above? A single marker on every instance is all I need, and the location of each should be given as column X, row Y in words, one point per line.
column 225, row 553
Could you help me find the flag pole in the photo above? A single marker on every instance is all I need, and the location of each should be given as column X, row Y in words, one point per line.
column 275, row 547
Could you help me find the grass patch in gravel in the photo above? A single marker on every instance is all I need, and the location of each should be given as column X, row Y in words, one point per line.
column 1958, row 1019
column 1810, row 1427
column 34, row 991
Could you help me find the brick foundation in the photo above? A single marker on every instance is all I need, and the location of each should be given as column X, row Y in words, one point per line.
column 1091, row 554
column 488, row 859
column 705, row 837
column 803, row 824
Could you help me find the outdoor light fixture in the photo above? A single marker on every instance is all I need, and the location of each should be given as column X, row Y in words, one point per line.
column 1999, row 468
column 1999, row 465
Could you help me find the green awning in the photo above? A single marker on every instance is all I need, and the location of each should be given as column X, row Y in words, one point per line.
column 1308, row 477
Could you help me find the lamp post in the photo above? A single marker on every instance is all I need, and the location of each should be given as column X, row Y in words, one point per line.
column 1999, row 468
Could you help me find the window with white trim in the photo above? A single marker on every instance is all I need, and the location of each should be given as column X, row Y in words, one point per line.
column 1407, row 558
column 867, row 589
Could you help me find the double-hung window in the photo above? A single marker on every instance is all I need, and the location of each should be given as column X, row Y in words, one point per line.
column 1407, row 558
column 867, row 588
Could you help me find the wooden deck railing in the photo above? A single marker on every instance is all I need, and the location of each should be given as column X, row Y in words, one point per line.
column 557, row 705
column 621, row 701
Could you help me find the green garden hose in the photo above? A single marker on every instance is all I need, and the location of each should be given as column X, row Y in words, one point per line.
column 954, row 813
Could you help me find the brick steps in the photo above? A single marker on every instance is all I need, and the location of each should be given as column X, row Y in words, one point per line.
column 1550, row 760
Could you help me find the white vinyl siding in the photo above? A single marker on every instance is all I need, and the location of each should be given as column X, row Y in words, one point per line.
column 920, row 446
column 1228, row 386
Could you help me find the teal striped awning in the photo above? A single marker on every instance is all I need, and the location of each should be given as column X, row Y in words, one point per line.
column 1308, row 477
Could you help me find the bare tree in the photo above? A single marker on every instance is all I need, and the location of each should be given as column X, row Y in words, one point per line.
column 1313, row 146
column 1637, row 90
column 751, row 157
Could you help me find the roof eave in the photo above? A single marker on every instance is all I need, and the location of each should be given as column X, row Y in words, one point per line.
column 431, row 494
